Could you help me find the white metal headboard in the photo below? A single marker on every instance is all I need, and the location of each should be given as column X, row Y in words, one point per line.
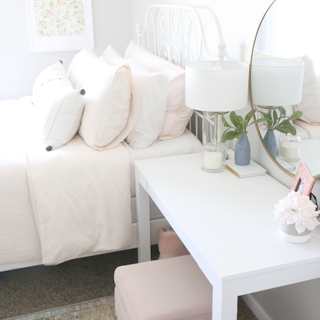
column 181, row 34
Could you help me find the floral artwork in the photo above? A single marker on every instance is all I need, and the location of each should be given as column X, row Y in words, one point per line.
column 59, row 17
column 60, row 25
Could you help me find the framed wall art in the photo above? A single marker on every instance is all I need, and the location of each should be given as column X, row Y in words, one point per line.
column 60, row 25
column 303, row 181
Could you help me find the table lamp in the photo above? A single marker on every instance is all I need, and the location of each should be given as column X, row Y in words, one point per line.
column 275, row 82
column 216, row 87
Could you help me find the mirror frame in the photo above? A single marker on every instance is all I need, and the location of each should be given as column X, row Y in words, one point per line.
column 251, row 103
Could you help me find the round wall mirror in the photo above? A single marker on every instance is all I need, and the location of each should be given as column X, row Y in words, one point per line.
column 285, row 90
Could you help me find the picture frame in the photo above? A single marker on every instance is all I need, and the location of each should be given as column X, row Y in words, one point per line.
column 61, row 25
column 303, row 181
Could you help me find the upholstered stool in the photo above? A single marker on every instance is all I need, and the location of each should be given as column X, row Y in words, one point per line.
column 162, row 290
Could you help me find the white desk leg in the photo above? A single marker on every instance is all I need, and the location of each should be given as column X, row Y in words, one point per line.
column 225, row 302
column 143, row 216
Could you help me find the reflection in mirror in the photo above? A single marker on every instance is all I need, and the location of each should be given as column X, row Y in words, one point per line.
column 288, row 33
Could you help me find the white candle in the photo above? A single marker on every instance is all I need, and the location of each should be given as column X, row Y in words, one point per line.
column 212, row 160
column 290, row 150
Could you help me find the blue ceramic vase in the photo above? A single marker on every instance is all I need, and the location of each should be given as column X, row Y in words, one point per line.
column 271, row 142
column 242, row 152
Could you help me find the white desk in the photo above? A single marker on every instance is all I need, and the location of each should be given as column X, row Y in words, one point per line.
column 227, row 225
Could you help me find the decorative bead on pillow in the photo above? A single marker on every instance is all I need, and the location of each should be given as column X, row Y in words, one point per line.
column 62, row 106
column 149, row 96
column 177, row 113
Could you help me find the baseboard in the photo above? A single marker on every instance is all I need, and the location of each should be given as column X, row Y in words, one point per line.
column 255, row 307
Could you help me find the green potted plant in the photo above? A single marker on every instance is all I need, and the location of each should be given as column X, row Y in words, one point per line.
column 280, row 122
column 238, row 130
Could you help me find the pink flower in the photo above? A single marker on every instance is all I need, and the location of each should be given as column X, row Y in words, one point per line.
column 297, row 209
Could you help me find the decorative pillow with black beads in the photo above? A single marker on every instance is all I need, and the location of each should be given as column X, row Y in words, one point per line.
column 61, row 104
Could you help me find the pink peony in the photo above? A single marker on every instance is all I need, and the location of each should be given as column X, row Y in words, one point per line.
column 297, row 209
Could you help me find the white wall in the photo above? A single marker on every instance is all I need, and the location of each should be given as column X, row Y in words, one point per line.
column 239, row 20
column 19, row 67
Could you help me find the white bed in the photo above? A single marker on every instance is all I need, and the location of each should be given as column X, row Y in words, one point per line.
column 19, row 238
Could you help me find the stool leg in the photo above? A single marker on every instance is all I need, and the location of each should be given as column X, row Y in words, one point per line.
column 143, row 216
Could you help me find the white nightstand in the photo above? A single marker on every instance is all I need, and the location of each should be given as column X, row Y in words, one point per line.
column 227, row 225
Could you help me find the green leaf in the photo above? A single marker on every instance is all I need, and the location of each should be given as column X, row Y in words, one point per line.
column 240, row 127
column 249, row 115
column 281, row 129
column 265, row 115
column 269, row 123
column 295, row 115
column 223, row 139
column 275, row 116
column 282, row 111
column 258, row 121
column 230, row 135
column 284, row 127
column 240, row 119
column 225, row 123
column 293, row 130
column 239, row 135
column 234, row 118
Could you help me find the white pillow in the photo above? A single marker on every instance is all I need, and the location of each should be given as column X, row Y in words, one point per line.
column 177, row 113
column 63, row 121
column 81, row 66
column 45, row 92
column 310, row 98
column 61, row 104
column 150, row 94
column 108, row 117
column 310, row 102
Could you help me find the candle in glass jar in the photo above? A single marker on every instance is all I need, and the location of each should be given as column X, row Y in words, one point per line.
column 212, row 160
column 290, row 150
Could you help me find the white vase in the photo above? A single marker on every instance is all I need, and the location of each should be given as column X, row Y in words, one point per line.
column 289, row 233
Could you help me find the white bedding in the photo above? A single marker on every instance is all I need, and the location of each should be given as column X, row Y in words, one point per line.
column 102, row 201
column 19, row 240
column 81, row 199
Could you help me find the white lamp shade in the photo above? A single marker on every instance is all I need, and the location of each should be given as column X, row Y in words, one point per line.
column 217, row 90
column 276, row 82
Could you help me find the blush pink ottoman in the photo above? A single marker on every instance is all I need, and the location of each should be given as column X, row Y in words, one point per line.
column 165, row 289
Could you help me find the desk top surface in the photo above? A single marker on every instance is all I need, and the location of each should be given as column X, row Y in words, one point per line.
column 225, row 222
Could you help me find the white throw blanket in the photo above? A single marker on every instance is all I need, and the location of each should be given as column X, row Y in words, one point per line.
column 80, row 198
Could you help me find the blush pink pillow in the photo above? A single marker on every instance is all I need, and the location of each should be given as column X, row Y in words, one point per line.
column 177, row 113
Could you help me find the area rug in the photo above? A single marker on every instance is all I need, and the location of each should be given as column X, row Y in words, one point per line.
column 98, row 309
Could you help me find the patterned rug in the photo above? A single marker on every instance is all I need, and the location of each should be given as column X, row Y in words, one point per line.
column 102, row 309
column 99, row 309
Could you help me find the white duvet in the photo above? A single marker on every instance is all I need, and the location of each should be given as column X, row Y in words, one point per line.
column 79, row 197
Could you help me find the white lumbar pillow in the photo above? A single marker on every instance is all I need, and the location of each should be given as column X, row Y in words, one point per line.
column 62, row 106
column 45, row 91
column 108, row 116
column 150, row 94
column 63, row 121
